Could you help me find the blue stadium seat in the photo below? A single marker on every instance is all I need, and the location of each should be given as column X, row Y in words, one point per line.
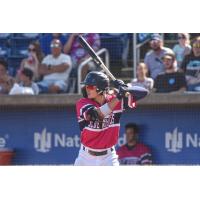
column 4, row 44
column 19, row 45
column 14, row 64
column 141, row 37
column 117, row 45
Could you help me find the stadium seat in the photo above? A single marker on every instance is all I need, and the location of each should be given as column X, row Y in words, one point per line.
column 4, row 44
column 19, row 45
column 117, row 45
column 14, row 64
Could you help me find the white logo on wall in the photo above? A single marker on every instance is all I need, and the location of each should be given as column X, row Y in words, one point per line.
column 3, row 141
column 175, row 141
column 44, row 141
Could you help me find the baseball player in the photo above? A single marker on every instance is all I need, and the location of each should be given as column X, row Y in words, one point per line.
column 98, row 115
column 134, row 152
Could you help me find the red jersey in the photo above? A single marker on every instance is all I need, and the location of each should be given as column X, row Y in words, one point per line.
column 138, row 155
column 99, row 134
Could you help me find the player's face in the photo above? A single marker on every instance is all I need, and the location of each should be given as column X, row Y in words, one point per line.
column 91, row 91
column 130, row 135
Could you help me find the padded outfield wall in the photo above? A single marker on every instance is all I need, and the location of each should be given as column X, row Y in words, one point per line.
column 43, row 129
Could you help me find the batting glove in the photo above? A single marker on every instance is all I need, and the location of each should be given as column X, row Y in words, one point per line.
column 92, row 115
column 118, row 83
column 121, row 93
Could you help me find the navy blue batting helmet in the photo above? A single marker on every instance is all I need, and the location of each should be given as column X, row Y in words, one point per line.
column 98, row 79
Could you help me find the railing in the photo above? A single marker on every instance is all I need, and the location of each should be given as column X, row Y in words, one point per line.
column 136, row 52
column 80, row 67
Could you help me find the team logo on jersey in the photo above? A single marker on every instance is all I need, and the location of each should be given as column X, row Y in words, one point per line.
column 107, row 121
column 45, row 141
column 176, row 141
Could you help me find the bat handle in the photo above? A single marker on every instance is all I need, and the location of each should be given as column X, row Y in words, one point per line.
column 107, row 71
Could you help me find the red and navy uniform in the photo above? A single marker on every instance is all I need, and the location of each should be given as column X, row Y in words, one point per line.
column 136, row 155
column 99, row 134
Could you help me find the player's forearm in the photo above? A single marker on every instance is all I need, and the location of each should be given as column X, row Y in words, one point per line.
column 107, row 108
column 112, row 104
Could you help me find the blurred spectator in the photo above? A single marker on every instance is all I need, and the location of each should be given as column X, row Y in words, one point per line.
column 34, row 59
column 171, row 80
column 133, row 152
column 55, row 68
column 191, row 66
column 142, row 80
column 6, row 81
column 76, row 51
column 26, row 85
column 46, row 39
column 153, row 59
column 183, row 48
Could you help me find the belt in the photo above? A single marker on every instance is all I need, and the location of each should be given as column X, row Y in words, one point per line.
column 97, row 153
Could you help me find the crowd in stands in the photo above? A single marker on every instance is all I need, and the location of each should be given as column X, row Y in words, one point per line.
column 171, row 70
column 52, row 59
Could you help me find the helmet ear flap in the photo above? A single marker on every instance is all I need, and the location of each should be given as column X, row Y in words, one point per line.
column 84, row 93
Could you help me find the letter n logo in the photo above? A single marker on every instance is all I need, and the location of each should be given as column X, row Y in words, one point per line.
column 42, row 141
column 174, row 141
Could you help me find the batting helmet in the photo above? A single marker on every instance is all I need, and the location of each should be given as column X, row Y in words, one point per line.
column 98, row 79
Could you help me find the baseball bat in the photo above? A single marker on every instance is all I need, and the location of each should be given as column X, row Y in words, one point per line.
column 95, row 57
column 138, row 91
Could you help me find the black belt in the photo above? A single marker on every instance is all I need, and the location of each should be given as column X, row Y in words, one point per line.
column 97, row 153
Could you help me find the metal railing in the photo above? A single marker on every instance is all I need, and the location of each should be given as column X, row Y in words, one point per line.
column 85, row 62
column 136, row 52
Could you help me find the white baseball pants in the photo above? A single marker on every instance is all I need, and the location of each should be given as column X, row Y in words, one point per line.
column 86, row 159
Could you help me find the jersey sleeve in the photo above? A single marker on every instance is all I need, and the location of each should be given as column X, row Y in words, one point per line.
column 135, row 93
column 146, row 157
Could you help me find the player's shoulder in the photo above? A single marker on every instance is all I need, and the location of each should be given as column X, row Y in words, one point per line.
column 142, row 147
column 122, row 148
column 84, row 101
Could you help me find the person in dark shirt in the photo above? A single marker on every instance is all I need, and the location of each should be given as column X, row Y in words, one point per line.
column 191, row 66
column 171, row 80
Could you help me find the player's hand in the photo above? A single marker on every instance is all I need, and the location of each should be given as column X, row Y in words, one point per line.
column 118, row 83
column 122, row 91
column 92, row 114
